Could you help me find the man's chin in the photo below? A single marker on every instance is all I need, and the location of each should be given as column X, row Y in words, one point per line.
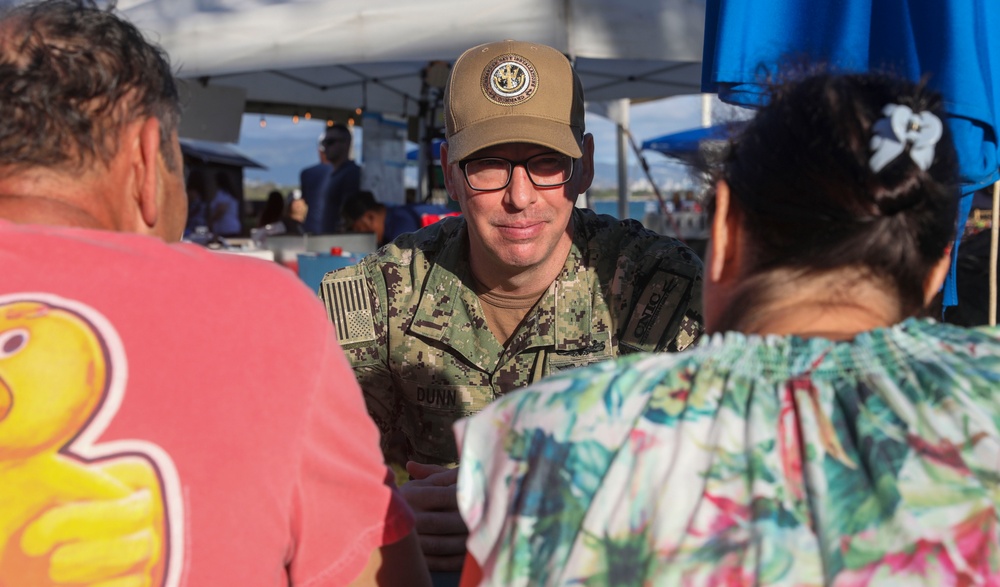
column 526, row 260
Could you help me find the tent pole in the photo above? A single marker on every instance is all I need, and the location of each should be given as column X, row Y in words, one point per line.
column 623, row 194
column 994, row 234
column 620, row 113
column 656, row 190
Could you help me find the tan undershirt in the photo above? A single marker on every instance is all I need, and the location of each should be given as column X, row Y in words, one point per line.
column 505, row 312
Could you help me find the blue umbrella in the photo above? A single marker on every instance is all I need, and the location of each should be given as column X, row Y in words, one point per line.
column 949, row 41
column 685, row 145
column 690, row 145
column 414, row 154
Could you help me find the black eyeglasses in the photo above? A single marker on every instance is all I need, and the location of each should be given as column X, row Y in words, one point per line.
column 545, row 170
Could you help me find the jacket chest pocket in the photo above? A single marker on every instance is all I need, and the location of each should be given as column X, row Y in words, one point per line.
column 429, row 411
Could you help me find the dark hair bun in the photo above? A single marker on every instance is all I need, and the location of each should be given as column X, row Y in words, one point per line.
column 802, row 173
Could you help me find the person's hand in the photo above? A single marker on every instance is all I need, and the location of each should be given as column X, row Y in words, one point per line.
column 111, row 540
column 432, row 497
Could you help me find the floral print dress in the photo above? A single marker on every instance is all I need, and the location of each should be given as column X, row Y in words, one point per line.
column 748, row 460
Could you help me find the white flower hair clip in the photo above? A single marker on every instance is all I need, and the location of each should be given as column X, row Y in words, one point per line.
column 901, row 127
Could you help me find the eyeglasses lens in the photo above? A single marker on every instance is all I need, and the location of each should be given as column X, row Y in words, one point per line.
column 493, row 173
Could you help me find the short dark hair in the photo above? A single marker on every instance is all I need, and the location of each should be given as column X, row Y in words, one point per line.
column 356, row 206
column 800, row 174
column 201, row 183
column 72, row 75
column 339, row 127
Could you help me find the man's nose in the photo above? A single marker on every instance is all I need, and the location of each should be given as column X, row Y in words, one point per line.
column 520, row 191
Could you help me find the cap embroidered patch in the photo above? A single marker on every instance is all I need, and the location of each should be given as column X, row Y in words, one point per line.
column 509, row 80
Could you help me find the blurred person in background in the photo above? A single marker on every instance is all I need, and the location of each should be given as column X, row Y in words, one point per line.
column 341, row 182
column 310, row 181
column 224, row 207
column 363, row 213
column 295, row 213
column 273, row 210
column 288, row 214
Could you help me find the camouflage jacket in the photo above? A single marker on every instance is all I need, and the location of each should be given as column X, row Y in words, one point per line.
column 416, row 335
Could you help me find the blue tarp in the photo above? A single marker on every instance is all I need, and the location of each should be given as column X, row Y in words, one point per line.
column 413, row 154
column 688, row 145
column 685, row 142
column 953, row 43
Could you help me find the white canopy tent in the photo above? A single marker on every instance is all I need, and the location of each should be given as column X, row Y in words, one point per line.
column 334, row 59
column 346, row 54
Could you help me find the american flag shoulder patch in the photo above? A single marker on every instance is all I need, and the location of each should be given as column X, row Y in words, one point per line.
column 349, row 306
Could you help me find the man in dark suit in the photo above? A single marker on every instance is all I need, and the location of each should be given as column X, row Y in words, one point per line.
column 310, row 181
column 343, row 181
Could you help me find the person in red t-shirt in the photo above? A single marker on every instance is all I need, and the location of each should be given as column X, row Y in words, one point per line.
column 160, row 424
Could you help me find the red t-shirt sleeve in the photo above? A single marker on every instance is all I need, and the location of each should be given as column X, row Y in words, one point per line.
column 346, row 501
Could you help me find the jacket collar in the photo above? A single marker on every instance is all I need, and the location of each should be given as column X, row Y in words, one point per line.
column 448, row 306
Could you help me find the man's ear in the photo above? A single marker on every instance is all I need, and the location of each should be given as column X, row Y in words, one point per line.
column 446, row 172
column 586, row 164
column 725, row 235
column 147, row 170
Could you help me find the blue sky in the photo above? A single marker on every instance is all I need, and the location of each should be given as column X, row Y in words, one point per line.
column 285, row 147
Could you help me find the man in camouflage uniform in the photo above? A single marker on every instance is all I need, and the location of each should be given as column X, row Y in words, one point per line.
column 440, row 322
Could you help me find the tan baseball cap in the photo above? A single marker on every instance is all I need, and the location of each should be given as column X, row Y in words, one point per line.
column 513, row 92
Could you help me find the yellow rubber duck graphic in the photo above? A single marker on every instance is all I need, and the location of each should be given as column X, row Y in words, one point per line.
column 66, row 519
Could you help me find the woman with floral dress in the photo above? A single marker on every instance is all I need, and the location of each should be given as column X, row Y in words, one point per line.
column 820, row 434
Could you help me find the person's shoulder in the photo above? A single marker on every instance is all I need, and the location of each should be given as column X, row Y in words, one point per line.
column 420, row 247
column 249, row 280
column 629, row 237
column 401, row 212
column 607, row 392
column 990, row 335
column 190, row 271
column 313, row 174
column 409, row 254
column 392, row 273
column 979, row 346
column 589, row 399
column 625, row 247
column 207, row 268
